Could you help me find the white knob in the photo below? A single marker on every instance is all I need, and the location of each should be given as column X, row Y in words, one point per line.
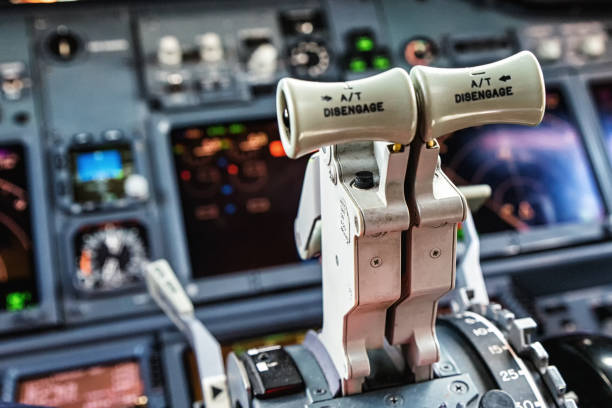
column 263, row 60
column 211, row 48
column 315, row 114
column 549, row 49
column 593, row 46
column 507, row 91
column 137, row 186
column 169, row 51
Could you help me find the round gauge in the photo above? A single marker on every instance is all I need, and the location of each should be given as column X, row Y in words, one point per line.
column 309, row 59
column 110, row 256
column 420, row 51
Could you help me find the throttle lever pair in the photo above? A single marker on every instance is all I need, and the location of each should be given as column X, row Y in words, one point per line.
column 376, row 204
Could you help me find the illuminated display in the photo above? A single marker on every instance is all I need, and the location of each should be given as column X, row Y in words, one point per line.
column 539, row 175
column 104, row 386
column 99, row 165
column 239, row 195
column 18, row 287
column 603, row 100
column 98, row 174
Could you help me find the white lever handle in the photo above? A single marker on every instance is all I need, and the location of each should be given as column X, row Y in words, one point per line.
column 316, row 114
column 507, row 91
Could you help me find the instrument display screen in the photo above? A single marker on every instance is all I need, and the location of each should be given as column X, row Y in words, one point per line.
column 18, row 285
column 539, row 175
column 118, row 385
column 603, row 101
column 239, row 195
column 99, row 173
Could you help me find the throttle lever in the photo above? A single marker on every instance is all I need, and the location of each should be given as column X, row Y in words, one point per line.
column 507, row 91
column 316, row 114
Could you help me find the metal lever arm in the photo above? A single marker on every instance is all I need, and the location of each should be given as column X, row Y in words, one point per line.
column 362, row 128
column 167, row 291
column 507, row 91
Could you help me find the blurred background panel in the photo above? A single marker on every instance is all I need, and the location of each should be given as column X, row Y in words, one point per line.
column 138, row 130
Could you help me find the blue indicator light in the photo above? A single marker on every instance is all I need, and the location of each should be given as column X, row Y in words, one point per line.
column 227, row 189
column 230, row 209
column 222, row 162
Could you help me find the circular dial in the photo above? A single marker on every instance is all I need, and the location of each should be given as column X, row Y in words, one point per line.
column 471, row 343
column 420, row 51
column 110, row 256
column 309, row 59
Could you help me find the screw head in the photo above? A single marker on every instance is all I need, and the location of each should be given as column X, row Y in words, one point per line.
column 435, row 253
column 459, row 387
column 376, row 262
column 394, row 400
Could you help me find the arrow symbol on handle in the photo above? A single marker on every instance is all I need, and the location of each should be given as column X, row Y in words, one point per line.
column 505, row 78
column 326, row 98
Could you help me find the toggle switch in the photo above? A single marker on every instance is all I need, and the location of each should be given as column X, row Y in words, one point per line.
column 211, row 47
column 507, row 91
column 314, row 114
column 169, row 51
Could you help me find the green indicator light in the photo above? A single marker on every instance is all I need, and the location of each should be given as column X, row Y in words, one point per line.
column 225, row 144
column 214, row 131
column 460, row 234
column 237, row 128
column 358, row 65
column 364, row 44
column 381, row 62
column 16, row 301
column 179, row 149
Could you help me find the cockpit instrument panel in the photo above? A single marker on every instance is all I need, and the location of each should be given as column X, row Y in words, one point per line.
column 239, row 195
column 119, row 385
column 18, row 286
column 603, row 102
column 540, row 176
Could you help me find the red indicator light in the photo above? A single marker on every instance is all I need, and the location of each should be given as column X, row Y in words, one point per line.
column 232, row 169
column 276, row 149
column 185, row 175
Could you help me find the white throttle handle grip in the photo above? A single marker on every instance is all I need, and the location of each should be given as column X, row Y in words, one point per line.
column 316, row 114
column 507, row 91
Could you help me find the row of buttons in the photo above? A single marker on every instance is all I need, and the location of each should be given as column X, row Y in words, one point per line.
column 110, row 135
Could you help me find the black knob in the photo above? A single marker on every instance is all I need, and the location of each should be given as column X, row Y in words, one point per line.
column 496, row 399
column 364, row 180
